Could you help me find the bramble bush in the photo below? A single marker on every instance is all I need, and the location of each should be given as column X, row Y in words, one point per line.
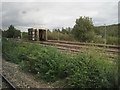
column 85, row 70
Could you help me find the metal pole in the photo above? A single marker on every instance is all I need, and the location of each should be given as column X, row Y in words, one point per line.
column 58, row 35
column 21, row 35
column 105, row 35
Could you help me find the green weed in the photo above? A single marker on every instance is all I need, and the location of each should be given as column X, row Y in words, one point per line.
column 85, row 70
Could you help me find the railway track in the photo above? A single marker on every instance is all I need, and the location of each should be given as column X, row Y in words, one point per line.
column 6, row 84
column 85, row 44
column 76, row 51
column 109, row 51
column 76, row 47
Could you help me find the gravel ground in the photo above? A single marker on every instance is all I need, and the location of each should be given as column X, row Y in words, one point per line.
column 24, row 80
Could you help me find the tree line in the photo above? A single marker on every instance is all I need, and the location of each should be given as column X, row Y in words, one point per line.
column 83, row 31
column 11, row 32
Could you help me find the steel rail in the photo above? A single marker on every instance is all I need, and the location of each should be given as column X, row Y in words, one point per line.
column 74, row 51
column 77, row 47
column 8, row 82
column 86, row 44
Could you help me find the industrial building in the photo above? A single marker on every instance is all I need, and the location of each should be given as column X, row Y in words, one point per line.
column 37, row 34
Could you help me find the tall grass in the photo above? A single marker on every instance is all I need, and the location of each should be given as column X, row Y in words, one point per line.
column 60, row 36
column 85, row 70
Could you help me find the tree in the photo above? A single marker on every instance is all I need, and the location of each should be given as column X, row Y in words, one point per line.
column 83, row 29
column 4, row 33
column 12, row 32
column 56, row 30
column 64, row 31
column 69, row 30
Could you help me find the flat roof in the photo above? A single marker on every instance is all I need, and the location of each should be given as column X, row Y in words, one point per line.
column 38, row 28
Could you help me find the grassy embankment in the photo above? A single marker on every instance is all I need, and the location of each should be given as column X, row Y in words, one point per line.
column 85, row 70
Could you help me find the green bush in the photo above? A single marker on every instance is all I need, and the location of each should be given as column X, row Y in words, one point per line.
column 112, row 40
column 98, row 39
column 9, row 50
column 86, row 70
column 93, row 71
column 46, row 61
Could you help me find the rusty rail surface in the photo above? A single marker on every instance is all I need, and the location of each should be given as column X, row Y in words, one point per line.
column 78, row 46
column 86, row 44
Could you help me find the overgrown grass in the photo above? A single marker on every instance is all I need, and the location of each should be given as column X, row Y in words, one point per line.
column 60, row 36
column 86, row 70
column 93, row 71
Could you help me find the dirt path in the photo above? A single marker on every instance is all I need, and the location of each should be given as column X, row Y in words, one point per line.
column 23, row 80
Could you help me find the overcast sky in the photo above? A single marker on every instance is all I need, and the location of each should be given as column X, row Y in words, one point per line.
column 56, row 14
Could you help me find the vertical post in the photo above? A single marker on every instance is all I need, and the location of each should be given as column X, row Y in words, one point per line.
column 21, row 35
column 46, row 35
column 28, row 34
column 105, row 35
column 58, row 35
column 0, row 59
column 33, row 35
column 38, row 35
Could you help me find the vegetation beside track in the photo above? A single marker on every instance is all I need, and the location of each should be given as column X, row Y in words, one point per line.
column 85, row 70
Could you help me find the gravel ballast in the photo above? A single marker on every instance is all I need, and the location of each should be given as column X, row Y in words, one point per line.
column 23, row 80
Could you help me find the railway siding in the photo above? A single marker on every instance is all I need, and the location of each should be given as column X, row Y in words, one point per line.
column 71, row 50
column 85, row 44
column 80, row 47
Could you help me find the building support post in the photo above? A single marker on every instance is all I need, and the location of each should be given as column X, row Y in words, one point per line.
column 46, row 34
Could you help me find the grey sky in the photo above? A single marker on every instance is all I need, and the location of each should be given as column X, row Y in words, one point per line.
column 56, row 14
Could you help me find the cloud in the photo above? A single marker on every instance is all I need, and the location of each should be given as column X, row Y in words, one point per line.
column 59, row 0
column 56, row 14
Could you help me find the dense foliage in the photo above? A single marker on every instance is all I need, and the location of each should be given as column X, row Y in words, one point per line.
column 12, row 32
column 86, row 70
column 83, row 30
column 60, row 35
column 24, row 35
column 111, row 33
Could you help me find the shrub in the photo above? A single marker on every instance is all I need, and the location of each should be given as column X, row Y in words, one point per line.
column 46, row 62
column 112, row 40
column 85, row 70
column 9, row 50
column 94, row 71
column 98, row 39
